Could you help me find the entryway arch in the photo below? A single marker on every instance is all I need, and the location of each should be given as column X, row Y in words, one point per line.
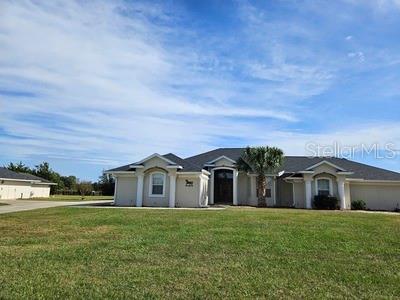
column 224, row 185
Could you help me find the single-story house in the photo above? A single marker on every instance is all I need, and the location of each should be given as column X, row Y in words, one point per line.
column 15, row 185
column 213, row 177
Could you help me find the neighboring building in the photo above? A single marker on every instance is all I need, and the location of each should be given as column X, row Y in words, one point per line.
column 212, row 178
column 15, row 185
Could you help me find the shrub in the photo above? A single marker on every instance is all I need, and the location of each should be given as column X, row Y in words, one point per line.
column 358, row 205
column 326, row 202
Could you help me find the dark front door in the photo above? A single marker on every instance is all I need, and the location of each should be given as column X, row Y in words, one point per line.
column 223, row 186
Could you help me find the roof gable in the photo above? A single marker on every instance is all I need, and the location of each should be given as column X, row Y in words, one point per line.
column 326, row 163
column 222, row 157
column 154, row 155
column 201, row 159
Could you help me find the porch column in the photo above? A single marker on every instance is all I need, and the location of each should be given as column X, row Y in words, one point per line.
column 139, row 191
column 115, row 187
column 342, row 194
column 308, row 192
column 253, row 189
column 211, row 201
column 172, row 189
column 235, row 187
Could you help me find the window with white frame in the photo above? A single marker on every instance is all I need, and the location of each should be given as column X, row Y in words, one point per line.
column 323, row 187
column 157, row 184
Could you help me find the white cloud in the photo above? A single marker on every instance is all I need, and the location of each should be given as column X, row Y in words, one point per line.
column 103, row 79
column 359, row 55
column 108, row 82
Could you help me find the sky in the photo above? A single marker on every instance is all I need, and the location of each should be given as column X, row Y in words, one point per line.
column 91, row 85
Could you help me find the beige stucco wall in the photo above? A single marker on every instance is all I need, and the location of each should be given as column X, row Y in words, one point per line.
column 284, row 193
column 324, row 168
column 10, row 189
column 299, row 194
column 155, row 162
column 270, row 185
column 243, row 188
column 151, row 200
column 187, row 196
column 40, row 190
column 126, row 191
column 376, row 196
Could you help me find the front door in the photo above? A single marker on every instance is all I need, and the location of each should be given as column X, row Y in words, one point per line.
column 223, row 186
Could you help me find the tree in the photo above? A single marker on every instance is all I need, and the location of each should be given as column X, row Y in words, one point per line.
column 69, row 182
column 19, row 168
column 84, row 188
column 261, row 160
column 106, row 184
column 43, row 170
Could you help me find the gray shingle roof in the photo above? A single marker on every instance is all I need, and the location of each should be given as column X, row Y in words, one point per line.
column 361, row 171
column 187, row 166
column 203, row 158
column 292, row 164
column 8, row 174
column 124, row 168
column 33, row 177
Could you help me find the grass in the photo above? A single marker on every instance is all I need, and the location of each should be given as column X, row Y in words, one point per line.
column 73, row 198
column 2, row 204
column 234, row 253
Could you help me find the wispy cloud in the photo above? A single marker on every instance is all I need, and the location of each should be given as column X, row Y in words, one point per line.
column 106, row 82
column 359, row 55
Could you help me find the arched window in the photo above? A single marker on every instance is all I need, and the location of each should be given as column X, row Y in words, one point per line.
column 157, row 184
column 323, row 187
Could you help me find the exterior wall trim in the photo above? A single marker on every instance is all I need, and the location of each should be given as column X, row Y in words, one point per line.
column 120, row 172
column 360, row 180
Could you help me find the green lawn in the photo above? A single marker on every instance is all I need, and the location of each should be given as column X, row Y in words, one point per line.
column 74, row 198
column 235, row 253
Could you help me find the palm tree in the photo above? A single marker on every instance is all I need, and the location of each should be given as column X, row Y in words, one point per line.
column 261, row 160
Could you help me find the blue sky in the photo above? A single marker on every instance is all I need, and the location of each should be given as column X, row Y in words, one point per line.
column 89, row 85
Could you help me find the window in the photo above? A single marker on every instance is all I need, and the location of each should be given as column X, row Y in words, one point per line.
column 157, row 184
column 323, row 187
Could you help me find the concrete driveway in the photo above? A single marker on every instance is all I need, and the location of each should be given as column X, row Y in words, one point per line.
column 22, row 205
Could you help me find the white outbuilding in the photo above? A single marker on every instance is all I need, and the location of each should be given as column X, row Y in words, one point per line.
column 15, row 185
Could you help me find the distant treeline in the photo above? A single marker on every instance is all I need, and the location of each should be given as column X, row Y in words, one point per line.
column 67, row 185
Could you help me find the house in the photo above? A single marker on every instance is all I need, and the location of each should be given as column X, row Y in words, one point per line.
column 212, row 178
column 15, row 185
